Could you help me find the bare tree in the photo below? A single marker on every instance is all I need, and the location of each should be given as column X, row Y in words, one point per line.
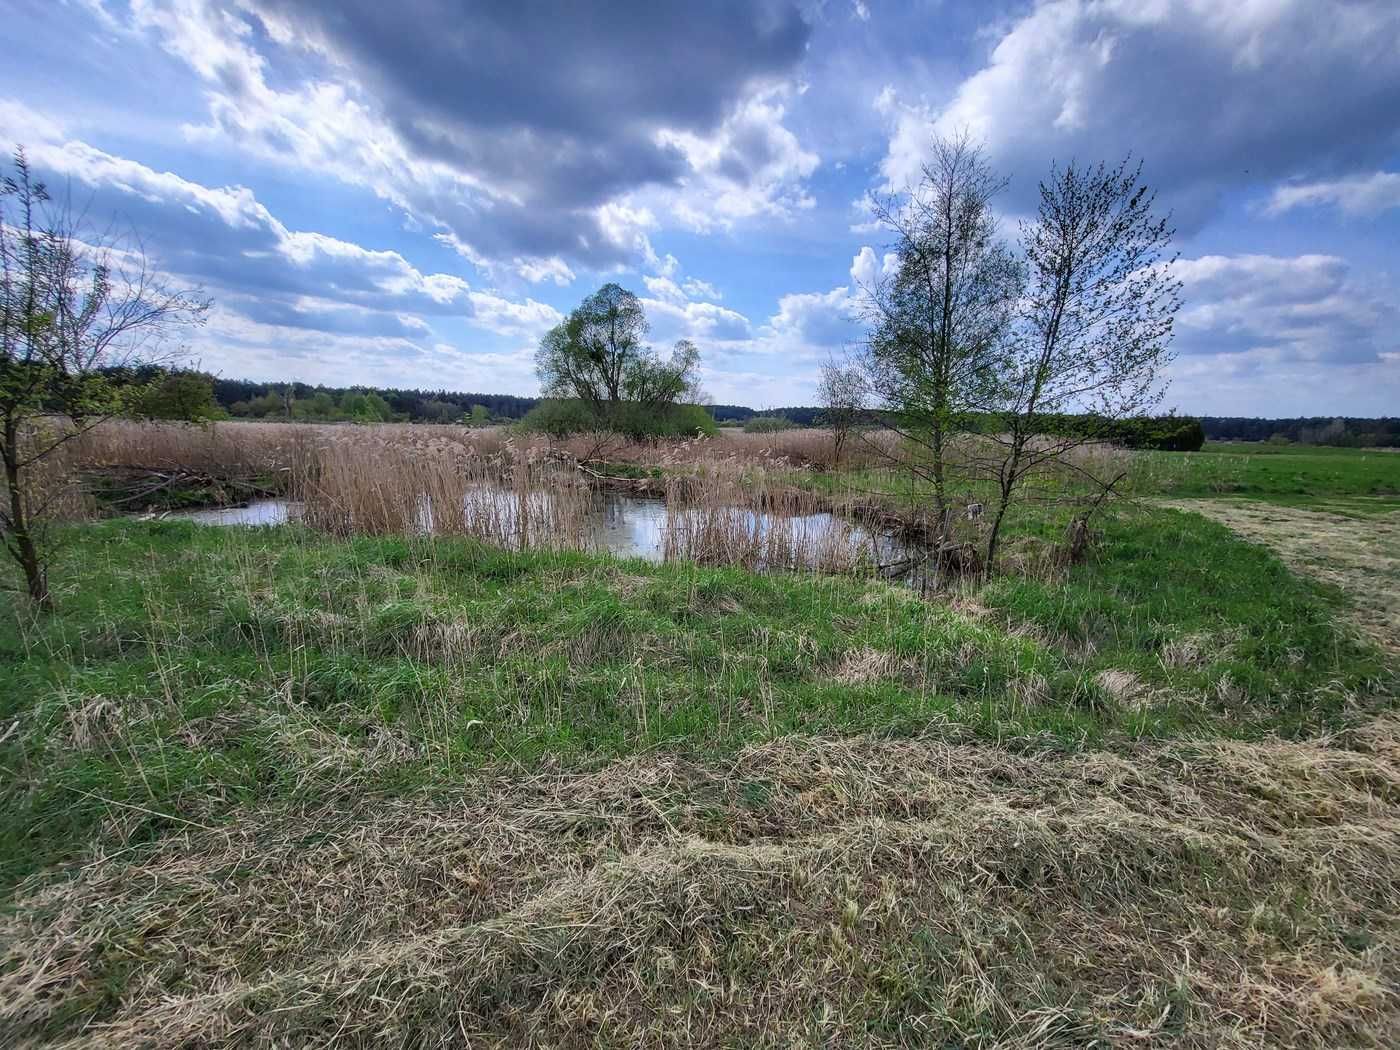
column 939, row 318
column 1095, row 325
column 73, row 303
column 842, row 393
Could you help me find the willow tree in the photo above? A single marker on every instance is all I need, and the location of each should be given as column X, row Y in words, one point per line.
column 599, row 356
column 74, row 305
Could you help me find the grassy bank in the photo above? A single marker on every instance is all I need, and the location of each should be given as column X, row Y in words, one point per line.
column 188, row 664
column 286, row 787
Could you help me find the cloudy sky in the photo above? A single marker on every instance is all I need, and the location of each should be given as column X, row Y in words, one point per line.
column 411, row 193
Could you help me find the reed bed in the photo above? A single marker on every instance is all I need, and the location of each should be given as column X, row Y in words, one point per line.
column 761, row 501
column 759, row 524
column 517, row 498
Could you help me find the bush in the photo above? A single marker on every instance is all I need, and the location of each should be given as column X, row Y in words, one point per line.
column 767, row 424
column 186, row 396
column 561, row 417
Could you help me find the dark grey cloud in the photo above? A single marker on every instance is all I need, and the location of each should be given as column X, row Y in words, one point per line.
column 583, row 72
column 548, row 110
column 1212, row 96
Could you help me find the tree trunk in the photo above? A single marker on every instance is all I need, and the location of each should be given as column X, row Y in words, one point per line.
column 21, row 540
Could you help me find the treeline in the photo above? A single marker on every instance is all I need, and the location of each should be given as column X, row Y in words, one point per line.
column 198, row 395
column 244, row 399
column 1344, row 431
column 1169, row 433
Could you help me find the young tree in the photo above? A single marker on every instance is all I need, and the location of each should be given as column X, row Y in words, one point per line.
column 1095, row 325
column 72, row 303
column 842, row 393
column 940, row 316
column 598, row 356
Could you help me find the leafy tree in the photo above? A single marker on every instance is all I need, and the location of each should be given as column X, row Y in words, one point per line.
column 262, row 406
column 481, row 415
column 72, row 304
column 435, row 411
column 1095, row 324
column 319, row 406
column 187, row 396
column 365, row 407
column 940, row 316
column 561, row 417
column 598, row 357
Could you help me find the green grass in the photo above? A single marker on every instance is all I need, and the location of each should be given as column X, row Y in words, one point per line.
column 1346, row 479
column 191, row 671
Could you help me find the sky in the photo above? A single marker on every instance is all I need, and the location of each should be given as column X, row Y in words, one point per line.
column 410, row 194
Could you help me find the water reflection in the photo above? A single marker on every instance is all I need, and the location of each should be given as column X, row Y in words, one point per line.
column 258, row 512
column 630, row 526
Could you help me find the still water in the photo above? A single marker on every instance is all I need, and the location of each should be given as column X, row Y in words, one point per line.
column 621, row 524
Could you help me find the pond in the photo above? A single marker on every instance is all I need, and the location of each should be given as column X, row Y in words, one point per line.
column 631, row 526
column 258, row 512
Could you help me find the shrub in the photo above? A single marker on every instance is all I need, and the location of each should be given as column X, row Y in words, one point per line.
column 767, row 424
column 562, row 417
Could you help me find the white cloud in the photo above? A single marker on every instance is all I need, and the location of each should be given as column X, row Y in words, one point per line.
column 866, row 269
column 698, row 289
column 1363, row 195
column 1302, row 308
column 752, row 165
column 301, row 296
column 705, row 323
column 552, row 269
column 664, row 288
column 20, row 123
column 529, row 319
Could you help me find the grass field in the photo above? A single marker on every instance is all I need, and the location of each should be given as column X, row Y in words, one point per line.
column 1357, row 481
column 275, row 787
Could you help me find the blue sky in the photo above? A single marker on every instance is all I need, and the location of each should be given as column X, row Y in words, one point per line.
column 410, row 194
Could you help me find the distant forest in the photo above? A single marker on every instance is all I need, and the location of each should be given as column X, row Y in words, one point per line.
column 247, row 399
column 250, row 400
column 1346, row 431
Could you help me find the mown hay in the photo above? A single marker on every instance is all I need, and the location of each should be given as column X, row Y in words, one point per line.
column 811, row 892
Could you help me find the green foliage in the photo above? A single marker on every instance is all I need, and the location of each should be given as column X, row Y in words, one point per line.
column 767, row 424
column 357, row 405
column 186, row 396
column 561, row 417
column 1168, row 433
column 597, row 358
column 1340, row 431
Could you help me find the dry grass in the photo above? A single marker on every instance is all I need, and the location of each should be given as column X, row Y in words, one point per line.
column 813, row 892
column 1361, row 556
column 247, row 445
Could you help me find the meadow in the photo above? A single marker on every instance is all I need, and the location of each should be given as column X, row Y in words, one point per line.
column 358, row 780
